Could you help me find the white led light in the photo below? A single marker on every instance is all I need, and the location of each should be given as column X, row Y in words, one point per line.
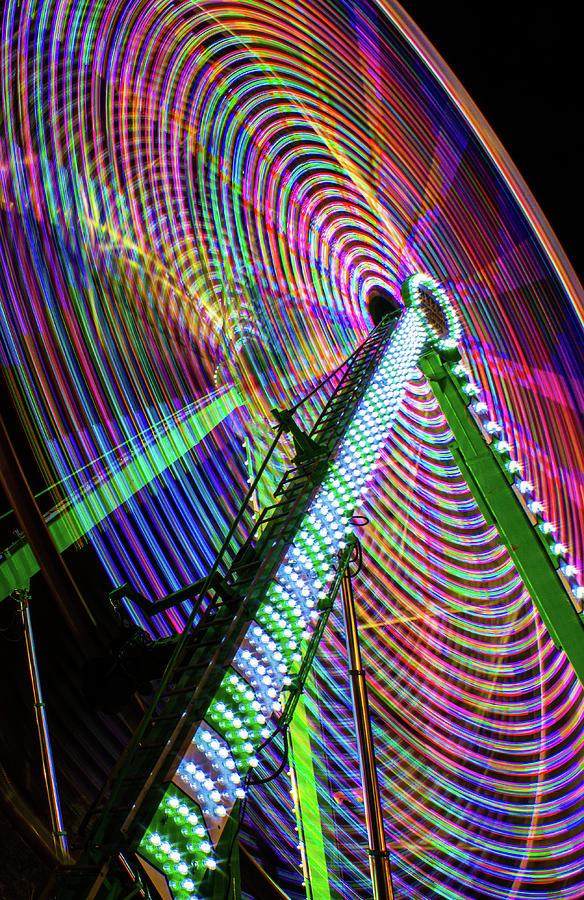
column 513, row 466
column 524, row 487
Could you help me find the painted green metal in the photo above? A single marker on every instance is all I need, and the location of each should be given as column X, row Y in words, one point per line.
column 308, row 813
column 491, row 484
column 176, row 439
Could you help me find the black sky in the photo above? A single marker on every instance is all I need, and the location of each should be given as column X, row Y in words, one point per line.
column 523, row 64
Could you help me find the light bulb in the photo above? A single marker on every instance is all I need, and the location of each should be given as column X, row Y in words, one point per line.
column 513, row 466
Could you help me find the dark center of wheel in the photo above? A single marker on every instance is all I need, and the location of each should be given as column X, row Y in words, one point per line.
column 381, row 303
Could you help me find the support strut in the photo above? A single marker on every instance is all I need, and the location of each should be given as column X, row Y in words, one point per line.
column 378, row 853
column 57, row 827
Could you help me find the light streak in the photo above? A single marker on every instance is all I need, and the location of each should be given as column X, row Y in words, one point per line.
column 206, row 163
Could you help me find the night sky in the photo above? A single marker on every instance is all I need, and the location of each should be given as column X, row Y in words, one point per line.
column 522, row 63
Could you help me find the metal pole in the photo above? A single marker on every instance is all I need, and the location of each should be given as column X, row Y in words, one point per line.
column 378, row 852
column 52, row 565
column 59, row 834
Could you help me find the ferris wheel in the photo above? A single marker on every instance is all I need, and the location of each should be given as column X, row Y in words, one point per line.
column 206, row 207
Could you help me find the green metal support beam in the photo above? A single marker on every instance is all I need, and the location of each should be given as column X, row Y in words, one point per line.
column 176, row 440
column 493, row 485
column 310, row 825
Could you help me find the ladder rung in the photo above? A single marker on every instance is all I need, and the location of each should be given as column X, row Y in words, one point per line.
column 208, row 643
column 169, row 717
column 219, row 618
column 157, row 746
column 124, row 810
column 192, row 667
column 134, row 779
column 174, row 692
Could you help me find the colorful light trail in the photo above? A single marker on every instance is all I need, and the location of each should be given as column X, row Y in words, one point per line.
column 199, row 197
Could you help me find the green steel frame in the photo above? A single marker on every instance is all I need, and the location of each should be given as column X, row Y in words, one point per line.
column 206, row 647
column 493, row 485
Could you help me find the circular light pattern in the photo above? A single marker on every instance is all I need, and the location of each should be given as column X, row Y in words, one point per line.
column 197, row 201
